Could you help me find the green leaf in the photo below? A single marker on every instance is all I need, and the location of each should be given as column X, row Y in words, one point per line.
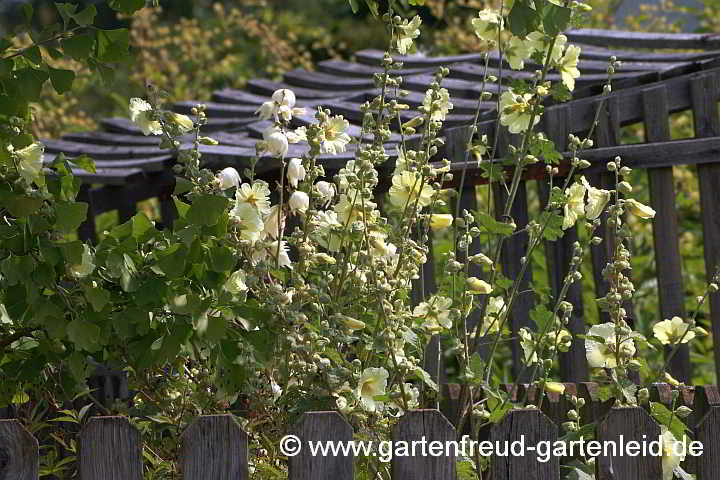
column 553, row 229
column 66, row 11
column 34, row 55
column 182, row 185
column 555, row 18
column 493, row 226
column 97, row 297
column 665, row 417
column 20, row 205
column 112, row 45
column 28, row 11
column 79, row 47
column 172, row 260
column 61, row 79
column 142, row 227
column 222, row 259
column 6, row 67
column 84, row 162
column 206, row 210
column 72, row 251
column 423, row 375
column 498, row 413
column 28, row 83
column 78, row 366
column 354, row 5
column 86, row 16
column 126, row 6
column 70, row 215
column 523, row 19
column 85, row 335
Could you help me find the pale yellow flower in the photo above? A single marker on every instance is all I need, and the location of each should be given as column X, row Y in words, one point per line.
column 602, row 354
column 596, row 201
column 250, row 221
column 30, row 161
column 408, row 188
column 567, row 66
column 527, row 343
column 334, row 138
column 256, row 195
column 406, row 33
column 440, row 106
column 182, row 122
column 487, row 25
column 228, row 178
column 555, row 387
column 517, row 51
column 673, row 453
column 638, row 209
column 515, row 111
column 669, row 332
column 236, row 283
column 575, row 206
column 372, row 383
column 141, row 116
column 493, row 315
column 435, row 313
column 299, row 201
column 440, row 221
column 295, row 172
column 477, row 286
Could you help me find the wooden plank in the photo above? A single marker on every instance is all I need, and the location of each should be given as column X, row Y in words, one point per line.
column 214, row 447
column 19, row 453
column 319, row 427
column 415, row 100
column 110, row 449
column 424, row 426
column 624, row 38
column 351, row 69
column 216, row 109
column 558, row 255
column 593, row 52
column 513, row 251
column 324, row 81
column 532, row 426
column 671, row 289
column 108, row 138
column 456, row 87
column 706, row 432
column 704, row 93
column 262, row 86
column 633, row 424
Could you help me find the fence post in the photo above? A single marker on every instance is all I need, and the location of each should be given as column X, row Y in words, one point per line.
column 319, row 427
column 530, row 426
column 430, row 458
column 632, row 424
column 19, row 458
column 706, row 432
column 110, row 449
column 214, row 447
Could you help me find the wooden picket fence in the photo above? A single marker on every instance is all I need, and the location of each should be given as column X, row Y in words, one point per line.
column 215, row 447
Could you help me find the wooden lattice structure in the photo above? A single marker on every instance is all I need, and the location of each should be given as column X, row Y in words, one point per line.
column 648, row 87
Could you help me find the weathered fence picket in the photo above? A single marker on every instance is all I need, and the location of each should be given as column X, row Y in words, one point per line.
column 19, row 459
column 110, row 449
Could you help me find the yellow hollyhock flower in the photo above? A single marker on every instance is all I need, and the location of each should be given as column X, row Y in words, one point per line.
column 408, row 188
column 372, row 383
column 435, row 313
column 575, row 206
column 555, row 387
column 487, row 24
column 673, row 454
column 669, row 332
column 141, row 116
column 30, row 161
column 601, row 354
column 596, row 201
column 440, row 221
column 477, row 286
column 515, row 111
column 638, row 209
column 407, row 32
column 567, row 66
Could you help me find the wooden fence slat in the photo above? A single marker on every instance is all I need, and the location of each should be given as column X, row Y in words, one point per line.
column 704, row 93
column 533, row 426
column 19, row 456
column 633, row 424
column 423, row 425
column 321, row 427
column 665, row 226
column 215, row 448
column 558, row 254
column 110, row 449
column 706, row 432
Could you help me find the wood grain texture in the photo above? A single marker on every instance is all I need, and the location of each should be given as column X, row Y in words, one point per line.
column 19, row 458
column 671, row 289
column 631, row 424
column 704, row 92
column 424, row 426
column 110, row 449
column 532, row 426
column 558, row 254
column 708, row 464
column 214, row 447
column 324, row 427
